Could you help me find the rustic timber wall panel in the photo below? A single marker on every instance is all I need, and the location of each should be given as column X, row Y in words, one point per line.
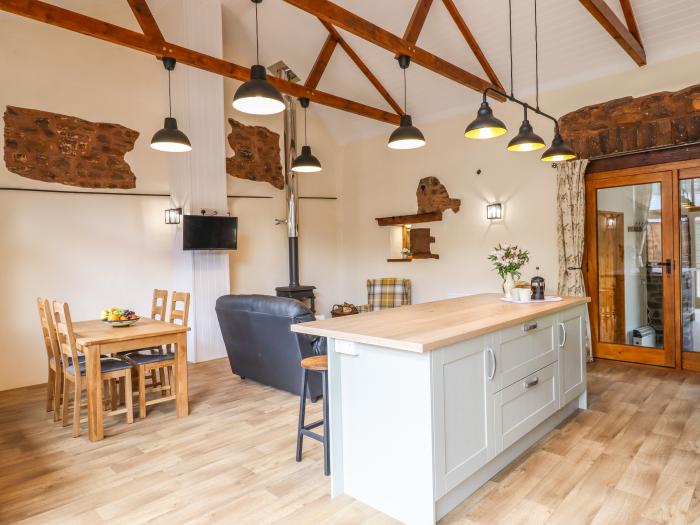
column 256, row 154
column 632, row 124
column 432, row 196
column 50, row 147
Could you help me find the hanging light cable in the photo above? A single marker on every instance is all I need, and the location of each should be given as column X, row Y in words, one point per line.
column 406, row 136
column 257, row 96
column 170, row 138
column 306, row 162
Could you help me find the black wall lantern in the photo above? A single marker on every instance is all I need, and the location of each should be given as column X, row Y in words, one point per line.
column 173, row 216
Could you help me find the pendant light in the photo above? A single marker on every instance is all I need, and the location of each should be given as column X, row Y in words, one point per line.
column 306, row 162
column 559, row 150
column 257, row 96
column 406, row 136
column 170, row 138
column 485, row 126
column 526, row 139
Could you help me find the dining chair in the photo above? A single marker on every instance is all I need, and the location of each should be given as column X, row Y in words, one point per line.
column 165, row 361
column 110, row 368
column 54, row 382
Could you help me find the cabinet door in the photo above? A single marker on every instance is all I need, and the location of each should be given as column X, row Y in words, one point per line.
column 463, row 411
column 572, row 354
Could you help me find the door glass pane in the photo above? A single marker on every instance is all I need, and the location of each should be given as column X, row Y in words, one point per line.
column 690, row 257
column 631, row 265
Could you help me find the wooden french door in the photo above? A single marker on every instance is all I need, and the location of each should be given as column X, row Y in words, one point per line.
column 630, row 269
column 642, row 264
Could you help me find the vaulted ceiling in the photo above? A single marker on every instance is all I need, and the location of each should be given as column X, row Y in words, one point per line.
column 573, row 47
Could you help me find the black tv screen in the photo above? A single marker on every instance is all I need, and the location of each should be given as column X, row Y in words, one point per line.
column 202, row 232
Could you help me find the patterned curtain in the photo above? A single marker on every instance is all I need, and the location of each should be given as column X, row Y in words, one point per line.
column 571, row 214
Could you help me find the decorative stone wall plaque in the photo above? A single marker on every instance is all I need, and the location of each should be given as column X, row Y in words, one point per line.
column 50, row 147
column 256, row 154
column 634, row 124
column 432, row 196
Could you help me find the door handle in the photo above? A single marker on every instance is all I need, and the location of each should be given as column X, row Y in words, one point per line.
column 667, row 263
column 531, row 383
column 493, row 363
column 563, row 330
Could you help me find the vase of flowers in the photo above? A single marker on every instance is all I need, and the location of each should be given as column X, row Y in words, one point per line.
column 405, row 253
column 508, row 259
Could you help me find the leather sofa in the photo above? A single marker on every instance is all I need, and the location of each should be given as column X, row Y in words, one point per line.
column 260, row 344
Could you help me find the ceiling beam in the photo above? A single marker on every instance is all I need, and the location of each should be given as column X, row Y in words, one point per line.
column 333, row 32
column 145, row 19
column 630, row 19
column 59, row 17
column 415, row 24
column 321, row 62
column 344, row 19
column 471, row 42
column 616, row 28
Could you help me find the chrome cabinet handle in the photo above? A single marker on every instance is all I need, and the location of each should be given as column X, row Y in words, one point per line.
column 493, row 363
column 530, row 326
column 563, row 329
column 531, row 383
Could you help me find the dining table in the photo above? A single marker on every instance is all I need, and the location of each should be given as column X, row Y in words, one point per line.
column 96, row 338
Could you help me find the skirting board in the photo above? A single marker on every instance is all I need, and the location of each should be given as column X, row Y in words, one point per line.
column 465, row 489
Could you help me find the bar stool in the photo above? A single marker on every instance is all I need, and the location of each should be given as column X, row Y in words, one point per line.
column 319, row 364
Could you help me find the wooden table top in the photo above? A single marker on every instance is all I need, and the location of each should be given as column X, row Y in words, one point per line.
column 428, row 326
column 89, row 333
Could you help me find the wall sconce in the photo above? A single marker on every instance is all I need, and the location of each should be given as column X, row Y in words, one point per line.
column 172, row 216
column 494, row 211
column 611, row 222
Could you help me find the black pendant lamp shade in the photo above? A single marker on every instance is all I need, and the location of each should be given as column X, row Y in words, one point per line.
column 257, row 96
column 485, row 125
column 406, row 136
column 306, row 162
column 170, row 139
column 526, row 139
column 559, row 150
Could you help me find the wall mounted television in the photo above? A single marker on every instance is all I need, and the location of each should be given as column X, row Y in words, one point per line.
column 207, row 232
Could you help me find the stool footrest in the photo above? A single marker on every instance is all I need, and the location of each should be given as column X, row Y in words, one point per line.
column 313, row 425
column 312, row 435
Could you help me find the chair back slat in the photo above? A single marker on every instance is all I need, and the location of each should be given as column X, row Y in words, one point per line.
column 160, row 302
column 48, row 330
column 179, row 313
column 66, row 337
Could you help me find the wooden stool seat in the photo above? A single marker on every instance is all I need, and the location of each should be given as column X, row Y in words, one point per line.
column 317, row 363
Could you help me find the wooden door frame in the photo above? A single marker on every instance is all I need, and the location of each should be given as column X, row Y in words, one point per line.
column 626, row 352
column 628, row 176
column 687, row 360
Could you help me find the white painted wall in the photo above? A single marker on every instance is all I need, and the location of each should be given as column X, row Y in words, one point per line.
column 378, row 182
column 91, row 251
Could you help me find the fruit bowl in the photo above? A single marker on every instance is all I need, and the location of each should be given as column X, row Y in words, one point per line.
column 120, row 323
column 118, row 317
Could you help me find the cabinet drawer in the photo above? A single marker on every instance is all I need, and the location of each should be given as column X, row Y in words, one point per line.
column 525, row 404
column 523, row 349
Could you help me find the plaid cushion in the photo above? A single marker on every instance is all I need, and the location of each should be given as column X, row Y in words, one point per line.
column 388, row 292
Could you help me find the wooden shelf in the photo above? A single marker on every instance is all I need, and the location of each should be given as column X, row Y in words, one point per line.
column 400, row 260
column 397, row 220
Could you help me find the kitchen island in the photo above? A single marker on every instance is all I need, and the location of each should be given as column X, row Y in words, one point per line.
column 428, row 402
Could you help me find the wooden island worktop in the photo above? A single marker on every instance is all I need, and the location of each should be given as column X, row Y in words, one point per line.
column 427, row 326
column 429, row 401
